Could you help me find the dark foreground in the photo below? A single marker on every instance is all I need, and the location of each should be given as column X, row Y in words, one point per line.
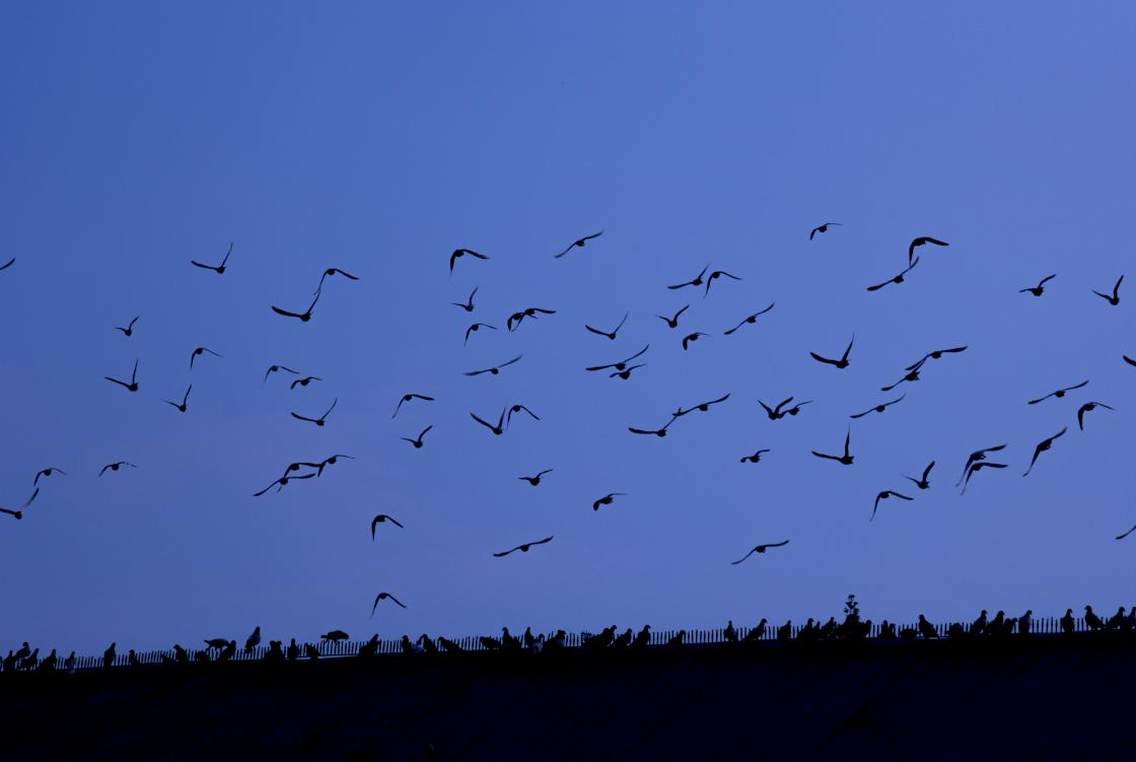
column 1036, row 698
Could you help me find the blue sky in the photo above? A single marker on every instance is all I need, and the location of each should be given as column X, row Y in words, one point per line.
column 374, row 139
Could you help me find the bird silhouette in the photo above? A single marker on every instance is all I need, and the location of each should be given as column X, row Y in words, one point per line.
column 497, row 430
column 672, row 322
column 407, row 398
column 198, row 352
column 514, row 320
column 1043, row 446
column 459, row 253
column 759, row 549
column 303, row 317
column 935, row 355
column 779, row 412
column 46, row 472
column 474, row 328
column 879, row 408
column 495, row 369
column 219, row 269
column 383, row 518
column 1087, row 408
column 910, row 377
column 976, row 456
column 253, row 640
column 922, row 482
column 579, row 242
column 1114, row 298
column 607, row 499
column 626, row 372
column 304, row 381
column 656, row 432
column 128, row 331
column 748, row 320
column 8, row 264
column 622, row 364
column 519, row 409
column 822, row 229
column 887, row 493
column 1039, row 289
column 275, row 369
column 281, row 483
column 715, row 276
column 842, row 363
column 897, row 279
column 977, row 466
column 133, row 385
column 1059, row 393
column 383, row 597
column 183, row 405
column 845, row 459
column 696, row 281
column 18, row 513
column 329, row 461
column 1130, row 531
column 523, row 548
column 690, row 338
column 535, row 480
column 921, row 241
column 1129, row 360
column 467, row 305
column 755, row 458
column 612, row 334
column 116, row 466
column 701, row 407
column 331, row 272
column 317, row 421
column 417, row 442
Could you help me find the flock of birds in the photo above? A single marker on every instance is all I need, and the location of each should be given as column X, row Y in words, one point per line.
column 623, row 369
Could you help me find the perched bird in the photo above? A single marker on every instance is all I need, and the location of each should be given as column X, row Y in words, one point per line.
column 1044, row 446
column 622, row 364
column 755, row 458
column 822, row 229
column 1068, row 624
column 935, row 355
column 887, row 493
column 1114, row 299
column 383, row 597
column 879, row 408
column 1059, row 393
column 975, row 456
column 331, row 272
column 897, row 279
column 842, row 363
column 497, row 430
column 926, row 629
column 690, row 338
column 459, row 253
column 579, row 242
column 253, row 640
column 475, row 327
column 626, row 372
column 1092, row 620
column 198, row 352
column 759, row 549
column 275, row 368
column 975, row 468
column 748, row 320
column 219, row 269
column 115, row 466
column 519, row 409
column 524, row 548
column 46, row 472
column 607, row 499
column 1039, row 289
column 8, row 264
column 1088, row 407
column 383, row 518
column 184, row 404
column 701, row 406
column 515, row 319
column 468, row 304
column 128, row 331
column 133, row 385
column 417, row 442
column 18, row 513
column 715, row 276
column 535, row 480
column 920, row 241
column 317, row 421
column 609, row 334
column 407, row 398
column 845, row 459
column 922, row 482
column 696, row 281
column 672, row 322
column 108, row 657
column 1130, row 531
column 281, row 483
column 303, row 317
column 495, row 369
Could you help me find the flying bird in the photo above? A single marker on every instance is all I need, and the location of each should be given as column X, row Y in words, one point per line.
column 467, row 305
column 276, row 368
column 475, row 328
column 701, row 406
column 622, row 364
column 696, row 281
column 1039, row 289
column 1088, row 407
column 842, row 363
column 613, row 332
column 607, row 499
column 304, row 316
column 330, row 461
column 281, row 483
column 713, row 277
column 518, row 409
column 535, row 480
column 897, row 279
column 935, row 355
column 459, row 253
column 760, row 549
column 115, row 466
column 495, row 369
column 133, row 385
column 304, row 381
column 383, row 597
column 920, row 241
column 407, row 398
column 922, row 482
column 1059, row 393
column 331, row 272
column 656, row 432
column 523, row 548
column 822, row 229
column 976, row 456
column 128, row 331
column 417, row 442
column 219, row 269
column 845, row 459
column 672, row 322
column 46, row 472
column 1114, row 299
column 750, row 319
column 755, row 458
column 777, row 413
column 879, row 408
column 497, row 430
column 1044, row 446
column 579, row 242
column 317, row 421
column 626, row 372
column 383, row 518
column 976, row 467
column 183, row 406
column 514, row 320
column 691, row 338
column 198, row 352
column 887, row 493
column 911, row 376
column 18, row 513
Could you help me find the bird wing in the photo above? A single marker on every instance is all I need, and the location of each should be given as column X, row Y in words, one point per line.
column 936, row 241
column 9, row 263
column 878, row 286
column 1046, row 279
column 482, row 421
column 632, row 357
column 1116, row 288
column 1039, row 399
column 227, row 253
column 195, row 263
column 504, row 553
column 30, row 499
column 596, row 331
column 927, row 470
column 813, row 232
column 824, row 360
column 302, row 418
column 333, row 404
column 747, row 555
column 861, row 415
column 599, row 367
column 1130, row 531
column 475, row 372
column 424, row 431
column 621, row 322
column 506, row 364
column 285, row 313
column 346, row 274
column 900, row 496
column 783, row 542
column 1077, row 386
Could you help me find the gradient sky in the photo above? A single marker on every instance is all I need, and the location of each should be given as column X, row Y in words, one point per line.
column 138, row 136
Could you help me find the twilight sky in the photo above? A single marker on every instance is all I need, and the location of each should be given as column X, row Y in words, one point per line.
column 138, row 136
